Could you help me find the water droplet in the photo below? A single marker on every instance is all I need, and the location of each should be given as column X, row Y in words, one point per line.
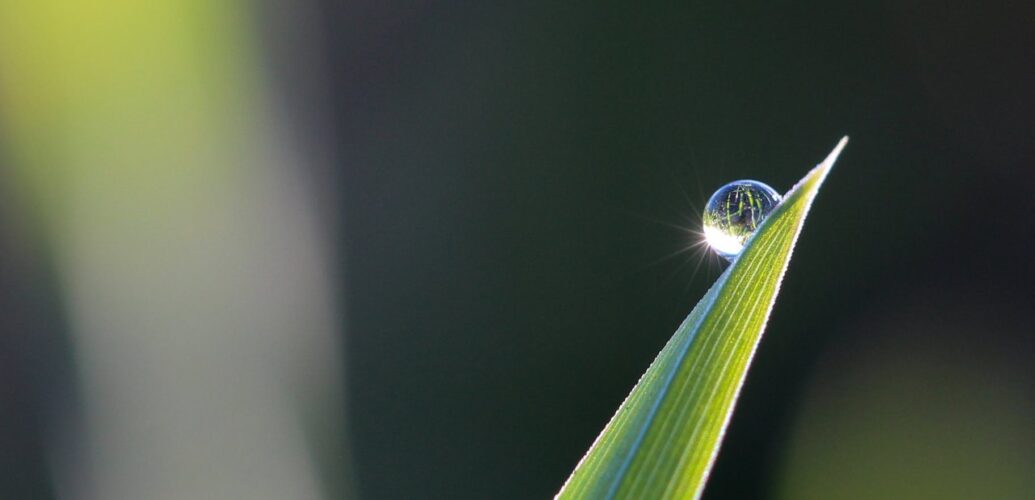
column 733, row 214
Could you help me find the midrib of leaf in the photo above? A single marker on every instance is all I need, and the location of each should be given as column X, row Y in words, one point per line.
column 665, row 436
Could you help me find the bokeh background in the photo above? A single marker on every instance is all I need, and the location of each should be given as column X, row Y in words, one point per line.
column 423, row 250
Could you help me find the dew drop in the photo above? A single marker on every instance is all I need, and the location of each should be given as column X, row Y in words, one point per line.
column 733, row 214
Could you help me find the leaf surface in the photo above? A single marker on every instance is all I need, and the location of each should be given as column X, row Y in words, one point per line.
column 664, row 438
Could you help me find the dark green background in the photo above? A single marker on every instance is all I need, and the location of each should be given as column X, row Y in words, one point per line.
column 512, row 174
column 513, row 177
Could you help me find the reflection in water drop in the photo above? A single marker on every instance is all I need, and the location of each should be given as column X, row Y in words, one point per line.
column 733, row 214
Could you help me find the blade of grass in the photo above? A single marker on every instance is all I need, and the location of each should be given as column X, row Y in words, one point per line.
column 663, row 440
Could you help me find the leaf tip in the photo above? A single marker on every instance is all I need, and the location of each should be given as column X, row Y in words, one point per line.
column 819, row 173
column 832, row 157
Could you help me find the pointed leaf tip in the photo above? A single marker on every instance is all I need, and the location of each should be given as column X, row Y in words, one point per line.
column 665, row 436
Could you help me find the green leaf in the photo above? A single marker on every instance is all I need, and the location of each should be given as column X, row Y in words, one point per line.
column 664, row 438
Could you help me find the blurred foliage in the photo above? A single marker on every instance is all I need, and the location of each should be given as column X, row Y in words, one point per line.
column 123, row 96
column 146, row 155
column 924, row 408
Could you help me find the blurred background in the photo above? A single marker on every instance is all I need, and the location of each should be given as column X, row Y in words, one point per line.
column 423, row 250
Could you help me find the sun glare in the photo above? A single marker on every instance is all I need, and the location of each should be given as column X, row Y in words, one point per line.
column 724, row 243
